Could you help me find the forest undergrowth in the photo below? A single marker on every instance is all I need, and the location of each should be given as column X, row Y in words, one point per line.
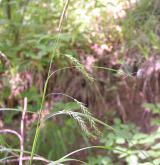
column 79, row 82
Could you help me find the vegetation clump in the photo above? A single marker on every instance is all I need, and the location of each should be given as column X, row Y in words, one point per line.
column 79, row 82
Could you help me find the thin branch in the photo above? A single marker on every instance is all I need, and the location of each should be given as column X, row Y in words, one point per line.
column 11, row 131
column 121, row 108
column 63, row 14
column 28, row 158
column 18, row 110
column 22, row 132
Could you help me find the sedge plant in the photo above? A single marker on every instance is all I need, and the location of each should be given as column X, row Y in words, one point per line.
column 78, row 116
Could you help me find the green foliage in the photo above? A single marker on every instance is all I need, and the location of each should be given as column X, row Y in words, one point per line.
column 59, row 134
column 100, row 160
column 29, row 28
column 140, row 28
column 29, row 36
column 155, row 109
column 140, row 148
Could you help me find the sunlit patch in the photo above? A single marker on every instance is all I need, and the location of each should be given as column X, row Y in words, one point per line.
column 117, row 8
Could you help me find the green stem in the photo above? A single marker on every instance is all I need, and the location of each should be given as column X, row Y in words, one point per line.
column 46, row 84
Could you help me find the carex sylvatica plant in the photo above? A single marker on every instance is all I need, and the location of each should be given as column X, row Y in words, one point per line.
column 80, row 117
column 76, row 116
column 84, row 118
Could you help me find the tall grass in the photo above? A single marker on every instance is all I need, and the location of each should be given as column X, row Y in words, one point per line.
column 72, row 114
column 40, row 118
column 78, row 116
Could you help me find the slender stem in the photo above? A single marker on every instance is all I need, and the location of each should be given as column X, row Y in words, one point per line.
column 10, row 131
column 63, row 14
column 46, row 84
column 28, row 158
column 10, row 150
column 58, row 36
column 13, row 109
column 63, row 94
column 90, row 147
column 22, row 132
